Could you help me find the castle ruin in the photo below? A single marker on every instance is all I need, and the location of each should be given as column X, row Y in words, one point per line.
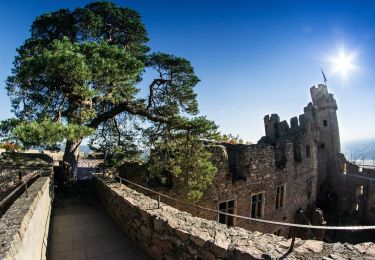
column 291, row 173
column 295, row 173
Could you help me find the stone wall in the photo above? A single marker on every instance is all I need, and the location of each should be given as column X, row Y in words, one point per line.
column 245, row 170
column 300, row 156
column 24, row 227
column 354, row 189
column 167, row 233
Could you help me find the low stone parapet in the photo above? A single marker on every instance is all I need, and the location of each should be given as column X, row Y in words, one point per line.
column 167, row 233
column 24, row 226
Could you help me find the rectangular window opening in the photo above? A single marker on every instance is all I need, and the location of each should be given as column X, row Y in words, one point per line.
column 280, row 196
column 344, row 169
column 308, row 151
column 355, row 207
column 226, row 207
column 257, row 204
column 359, row 190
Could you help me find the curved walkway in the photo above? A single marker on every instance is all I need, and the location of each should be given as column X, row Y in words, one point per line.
column 80, row 229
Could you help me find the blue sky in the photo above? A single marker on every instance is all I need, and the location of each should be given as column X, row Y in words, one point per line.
column 253, row 57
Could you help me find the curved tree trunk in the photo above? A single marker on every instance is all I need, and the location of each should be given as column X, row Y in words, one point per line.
column 70, row 160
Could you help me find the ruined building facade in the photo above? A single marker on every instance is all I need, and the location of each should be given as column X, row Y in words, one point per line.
column 346, row 191
column 291, row 172
column 288, row 173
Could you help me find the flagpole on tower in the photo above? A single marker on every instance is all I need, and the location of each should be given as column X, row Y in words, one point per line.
column 324, row 77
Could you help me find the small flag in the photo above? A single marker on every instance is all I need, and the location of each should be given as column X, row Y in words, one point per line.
column 324, row 76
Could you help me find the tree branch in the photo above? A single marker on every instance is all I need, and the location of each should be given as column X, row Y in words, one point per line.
column 118, row 132
column 130, row 108
column 59, row 112
column 152, row 85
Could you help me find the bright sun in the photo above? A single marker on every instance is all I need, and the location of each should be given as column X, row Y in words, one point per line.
column 343, row 63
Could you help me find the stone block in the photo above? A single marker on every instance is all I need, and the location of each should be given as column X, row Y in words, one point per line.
column 201, row 238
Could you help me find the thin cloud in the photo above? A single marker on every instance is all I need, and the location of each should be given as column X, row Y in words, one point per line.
column 307, row 29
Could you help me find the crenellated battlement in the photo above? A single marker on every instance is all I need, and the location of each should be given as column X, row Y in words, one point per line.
column 272, row 119
column 271, row 124
column 313, row 133
column 316, row 128
column 275, row 129
column 294, row 123
column 312, row 120
column 321, row 98
column 318, row 91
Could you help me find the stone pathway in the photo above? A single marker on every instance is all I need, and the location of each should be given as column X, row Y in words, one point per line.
column 80, row 229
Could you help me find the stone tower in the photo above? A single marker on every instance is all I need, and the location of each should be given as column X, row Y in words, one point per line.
column 328, row 140
column 327, row 117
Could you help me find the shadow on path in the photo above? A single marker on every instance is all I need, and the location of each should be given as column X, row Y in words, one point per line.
column 81, row 229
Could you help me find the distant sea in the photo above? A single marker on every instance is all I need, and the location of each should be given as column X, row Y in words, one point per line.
column 359, row 151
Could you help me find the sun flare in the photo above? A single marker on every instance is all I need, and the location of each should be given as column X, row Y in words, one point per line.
column 343, row 63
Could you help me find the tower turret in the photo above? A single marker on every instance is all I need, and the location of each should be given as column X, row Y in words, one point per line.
column 328, row 140
column 327, row 119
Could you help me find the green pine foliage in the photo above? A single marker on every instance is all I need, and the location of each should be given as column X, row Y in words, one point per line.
column 79, row 74
column 188, row 163
column 47, row 133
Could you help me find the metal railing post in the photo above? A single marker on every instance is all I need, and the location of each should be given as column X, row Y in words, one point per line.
column 293, row 240
column 120, row 180
column 27, row 193
column 158, row 201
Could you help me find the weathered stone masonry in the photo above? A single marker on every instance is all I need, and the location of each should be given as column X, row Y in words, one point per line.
column 245, row 170
column 24, row 227
column 285, row 158
column 291, row 170
column 167, row 233
column 353, row 192
column 304, row 157
column 344, row 190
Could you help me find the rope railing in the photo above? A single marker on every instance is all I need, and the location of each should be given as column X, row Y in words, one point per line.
column 14, row 168
column 248, row 218
column 291, row 225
